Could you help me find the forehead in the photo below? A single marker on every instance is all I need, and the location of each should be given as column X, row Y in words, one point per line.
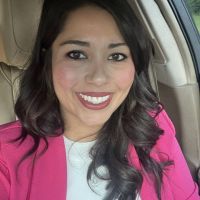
column 90, row 21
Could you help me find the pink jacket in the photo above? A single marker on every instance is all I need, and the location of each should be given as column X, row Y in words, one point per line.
column 49, row 174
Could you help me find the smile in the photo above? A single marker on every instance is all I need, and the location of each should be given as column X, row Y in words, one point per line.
column 95, row 100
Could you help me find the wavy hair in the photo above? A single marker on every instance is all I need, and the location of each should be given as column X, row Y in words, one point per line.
column 133, row 123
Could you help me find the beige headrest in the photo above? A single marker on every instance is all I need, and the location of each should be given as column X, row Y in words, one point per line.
column 18, row 26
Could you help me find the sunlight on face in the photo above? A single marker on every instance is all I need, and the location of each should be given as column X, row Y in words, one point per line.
column 92, row 70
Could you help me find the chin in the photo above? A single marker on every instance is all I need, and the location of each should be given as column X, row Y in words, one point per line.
column 96, row 122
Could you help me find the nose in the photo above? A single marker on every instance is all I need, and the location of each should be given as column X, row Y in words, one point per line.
column 97, row 74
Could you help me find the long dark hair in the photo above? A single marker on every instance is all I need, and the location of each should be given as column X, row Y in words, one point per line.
column 133, row 123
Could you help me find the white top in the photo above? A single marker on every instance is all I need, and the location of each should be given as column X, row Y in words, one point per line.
column 78, row 161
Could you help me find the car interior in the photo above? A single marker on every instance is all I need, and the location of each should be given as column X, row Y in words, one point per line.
column 171, row 70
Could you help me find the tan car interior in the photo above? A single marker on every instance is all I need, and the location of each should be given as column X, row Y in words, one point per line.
column 172, row 71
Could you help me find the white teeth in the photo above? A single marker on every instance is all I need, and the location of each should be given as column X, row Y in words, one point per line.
column 95, row 100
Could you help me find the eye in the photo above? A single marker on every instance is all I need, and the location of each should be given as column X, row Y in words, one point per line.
column 76, row 55
column 117, row 57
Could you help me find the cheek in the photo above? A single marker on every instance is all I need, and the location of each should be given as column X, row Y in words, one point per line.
column 125, row 78
column 64, row 77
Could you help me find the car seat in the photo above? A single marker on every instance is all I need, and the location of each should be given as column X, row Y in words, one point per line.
column 18, row 26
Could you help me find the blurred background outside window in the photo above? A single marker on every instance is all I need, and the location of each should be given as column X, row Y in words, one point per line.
column 194, row 7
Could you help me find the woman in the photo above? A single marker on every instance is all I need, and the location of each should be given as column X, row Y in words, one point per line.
column 90, row 126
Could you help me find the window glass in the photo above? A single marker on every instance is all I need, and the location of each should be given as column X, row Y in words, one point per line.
column 194, row 7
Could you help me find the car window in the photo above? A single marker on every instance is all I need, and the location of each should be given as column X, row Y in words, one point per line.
column 194, row 7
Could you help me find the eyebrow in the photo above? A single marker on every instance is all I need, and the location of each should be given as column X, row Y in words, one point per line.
column 76, row 42
column 87, row 44
column 114, row 45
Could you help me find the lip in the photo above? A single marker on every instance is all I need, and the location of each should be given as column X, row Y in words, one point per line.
column 92, row 106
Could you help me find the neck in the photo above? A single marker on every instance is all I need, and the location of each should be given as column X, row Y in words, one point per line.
column 80, row 134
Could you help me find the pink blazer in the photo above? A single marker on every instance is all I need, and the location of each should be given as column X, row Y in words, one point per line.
column 47, row 179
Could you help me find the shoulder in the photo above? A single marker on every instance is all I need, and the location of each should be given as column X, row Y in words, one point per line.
column 168, row 148
column 164, row 122
column 11, row 148
column 10, row 131
column 11, row 145
column 164, row 146
column 167, row 143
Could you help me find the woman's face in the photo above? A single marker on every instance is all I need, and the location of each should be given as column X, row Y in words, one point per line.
column 92, row 70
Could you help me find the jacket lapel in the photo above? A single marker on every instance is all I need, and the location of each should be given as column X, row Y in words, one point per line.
column 50, row 172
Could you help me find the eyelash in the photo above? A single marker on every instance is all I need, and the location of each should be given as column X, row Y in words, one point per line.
column 118, row 55
column 80, row 55
column 75, row 53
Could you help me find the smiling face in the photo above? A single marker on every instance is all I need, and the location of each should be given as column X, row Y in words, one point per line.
column 92, row 70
